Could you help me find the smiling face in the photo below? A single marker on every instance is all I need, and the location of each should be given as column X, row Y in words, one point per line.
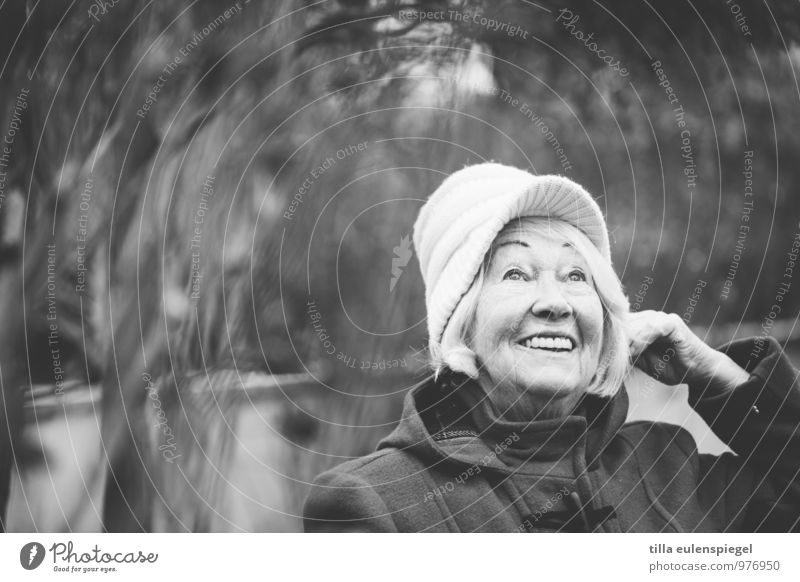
column 538, row 328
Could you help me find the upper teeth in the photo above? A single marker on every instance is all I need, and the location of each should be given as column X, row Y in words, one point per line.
column 554, row 343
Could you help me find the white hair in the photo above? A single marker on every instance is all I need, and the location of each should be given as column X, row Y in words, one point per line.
column 454, row 350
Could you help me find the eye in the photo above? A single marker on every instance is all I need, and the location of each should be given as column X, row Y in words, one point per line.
column 514, row 275
column 576, row 275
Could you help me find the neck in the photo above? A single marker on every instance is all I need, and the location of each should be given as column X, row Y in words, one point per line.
column 520, row 405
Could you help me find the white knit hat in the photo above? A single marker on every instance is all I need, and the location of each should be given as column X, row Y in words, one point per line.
column 457, row 225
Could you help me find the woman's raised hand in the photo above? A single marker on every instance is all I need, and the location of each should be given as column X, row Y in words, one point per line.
column 664, row 347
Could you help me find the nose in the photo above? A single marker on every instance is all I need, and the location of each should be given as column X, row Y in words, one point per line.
column 550, row 303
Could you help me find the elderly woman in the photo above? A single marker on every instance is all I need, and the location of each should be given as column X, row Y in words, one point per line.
column 521, row 427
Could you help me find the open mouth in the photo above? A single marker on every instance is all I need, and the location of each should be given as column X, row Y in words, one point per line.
column 550, row 343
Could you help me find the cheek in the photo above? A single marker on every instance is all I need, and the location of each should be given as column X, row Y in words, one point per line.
column 495, row 320
column 590, row 321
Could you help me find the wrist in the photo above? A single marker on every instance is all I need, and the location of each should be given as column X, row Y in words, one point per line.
column 722, row 374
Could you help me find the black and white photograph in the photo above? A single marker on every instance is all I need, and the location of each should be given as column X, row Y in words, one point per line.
column 383, row 266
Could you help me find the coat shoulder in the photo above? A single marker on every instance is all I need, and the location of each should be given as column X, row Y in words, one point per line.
column 379, row 467
column 381, row 491
column 646, row 435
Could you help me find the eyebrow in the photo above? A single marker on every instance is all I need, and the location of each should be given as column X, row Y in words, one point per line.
column 565, row 245
column 513, row 242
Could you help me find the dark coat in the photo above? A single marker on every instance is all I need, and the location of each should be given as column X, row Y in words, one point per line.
column 452, row 466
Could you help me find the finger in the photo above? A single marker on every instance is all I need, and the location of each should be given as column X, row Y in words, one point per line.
column 642, row 331
column 675, row 328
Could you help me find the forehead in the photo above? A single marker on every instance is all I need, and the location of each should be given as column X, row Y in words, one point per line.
column 536, row 241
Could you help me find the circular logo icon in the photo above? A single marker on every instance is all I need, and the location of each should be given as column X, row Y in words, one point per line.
column 31, row 555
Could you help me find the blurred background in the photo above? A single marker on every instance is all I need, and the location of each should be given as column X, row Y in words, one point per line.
column 208, row 293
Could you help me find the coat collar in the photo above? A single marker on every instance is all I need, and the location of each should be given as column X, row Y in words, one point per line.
column 451, row 419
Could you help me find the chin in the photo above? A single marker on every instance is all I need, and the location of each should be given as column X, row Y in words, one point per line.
column 548, row 375
column 547, row 384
